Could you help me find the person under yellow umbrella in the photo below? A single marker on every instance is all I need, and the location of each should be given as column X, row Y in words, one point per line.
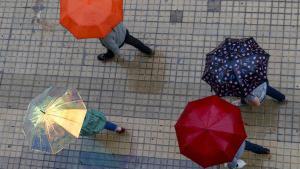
column 58, row 115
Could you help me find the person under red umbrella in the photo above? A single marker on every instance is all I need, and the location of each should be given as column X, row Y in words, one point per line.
column 210, row 131
column 248, row 146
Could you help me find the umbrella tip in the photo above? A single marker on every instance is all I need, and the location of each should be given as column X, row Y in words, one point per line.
column 43, row 111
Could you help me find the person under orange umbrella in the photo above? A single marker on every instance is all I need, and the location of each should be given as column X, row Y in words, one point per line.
column 116, row 39
column 99, row 19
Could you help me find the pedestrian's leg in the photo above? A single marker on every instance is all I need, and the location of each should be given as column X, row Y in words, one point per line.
column 275, row 94
column 236, row 162
column 138, row 44
column 233, row 164
column 113, row 127
column 106, row 56
column 255, row 148
column 110, row 126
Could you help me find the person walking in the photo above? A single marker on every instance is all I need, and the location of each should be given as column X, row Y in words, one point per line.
column 95, row 121
column 116, row 39
column 258, row 95
column 248, row 146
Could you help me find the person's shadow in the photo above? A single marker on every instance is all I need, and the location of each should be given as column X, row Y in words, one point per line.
column 146, row 74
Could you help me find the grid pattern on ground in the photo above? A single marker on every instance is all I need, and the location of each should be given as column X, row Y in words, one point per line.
column 35, row 54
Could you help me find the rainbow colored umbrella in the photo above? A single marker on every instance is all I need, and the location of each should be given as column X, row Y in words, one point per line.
column 54, row 118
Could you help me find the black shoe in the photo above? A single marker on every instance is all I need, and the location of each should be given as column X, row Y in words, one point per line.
column 105, row 57
column 149, row 52
column 257, row 149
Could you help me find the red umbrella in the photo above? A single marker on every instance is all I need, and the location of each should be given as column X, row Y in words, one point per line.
column 210, row 131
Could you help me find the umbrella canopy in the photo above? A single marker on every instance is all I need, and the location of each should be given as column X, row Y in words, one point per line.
column 53, row 118
column 90, row 18
column 210, row 131
column 236, row 67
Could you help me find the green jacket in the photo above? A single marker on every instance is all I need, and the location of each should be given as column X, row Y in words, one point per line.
column 93, row 123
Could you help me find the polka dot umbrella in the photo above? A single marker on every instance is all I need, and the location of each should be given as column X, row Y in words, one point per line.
column 236, row 67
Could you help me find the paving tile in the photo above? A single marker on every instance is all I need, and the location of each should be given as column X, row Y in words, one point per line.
column 214, row 5
column 176, row 16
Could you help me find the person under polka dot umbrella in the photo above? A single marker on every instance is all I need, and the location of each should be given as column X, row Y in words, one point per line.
column 238, row 67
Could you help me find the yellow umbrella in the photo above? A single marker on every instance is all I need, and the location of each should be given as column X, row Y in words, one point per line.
column 54, row 118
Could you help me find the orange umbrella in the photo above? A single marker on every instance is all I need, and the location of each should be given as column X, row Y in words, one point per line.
column 90, row 18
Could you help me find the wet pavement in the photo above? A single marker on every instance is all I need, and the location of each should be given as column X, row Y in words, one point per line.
column 145, row 94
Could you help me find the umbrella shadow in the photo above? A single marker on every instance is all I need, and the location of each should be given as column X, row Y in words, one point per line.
column 145, row 74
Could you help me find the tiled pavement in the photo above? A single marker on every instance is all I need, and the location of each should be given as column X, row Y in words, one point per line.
column 146, row 95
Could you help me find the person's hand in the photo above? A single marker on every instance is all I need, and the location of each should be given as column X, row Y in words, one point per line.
column 254, row 102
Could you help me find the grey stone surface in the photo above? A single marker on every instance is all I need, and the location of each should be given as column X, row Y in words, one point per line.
column 36, row 55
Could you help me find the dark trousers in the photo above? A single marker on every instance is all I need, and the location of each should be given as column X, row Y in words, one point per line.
column 249, row 146
column 272, row 92
column 255, row 148
column 275, row 94
column 133, row 42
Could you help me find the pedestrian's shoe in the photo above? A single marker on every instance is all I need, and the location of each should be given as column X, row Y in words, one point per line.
column 149, row 52
column 121, row 130
column 104, row 57
column 240, row 164
column 152, row 53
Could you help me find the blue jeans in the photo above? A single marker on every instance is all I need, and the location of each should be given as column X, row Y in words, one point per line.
column 110, row 126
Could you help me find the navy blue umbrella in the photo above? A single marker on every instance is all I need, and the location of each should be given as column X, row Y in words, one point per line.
column 236, row 67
